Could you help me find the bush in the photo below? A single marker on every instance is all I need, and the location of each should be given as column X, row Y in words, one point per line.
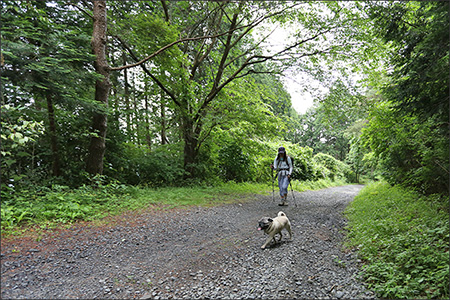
column 234, row 163
column 334, row 169
column 328, row 162
column 62, row 204
column 304, row 166
column 411, row 152
column 140, row 166
column 404, row 240
column 307, row 167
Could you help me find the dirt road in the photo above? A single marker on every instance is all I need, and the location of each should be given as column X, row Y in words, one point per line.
column 192, row 253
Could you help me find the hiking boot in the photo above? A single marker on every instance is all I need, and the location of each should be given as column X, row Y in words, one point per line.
column 283, row 203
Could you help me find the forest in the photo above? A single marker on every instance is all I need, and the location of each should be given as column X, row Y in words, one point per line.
column 174, row 92
column 108, row 96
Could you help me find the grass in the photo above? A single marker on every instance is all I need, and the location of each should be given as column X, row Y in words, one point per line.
column 302, row 186
column 61, row 205
column 403, row 239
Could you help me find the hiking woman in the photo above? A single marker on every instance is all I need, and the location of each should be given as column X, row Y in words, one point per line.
column 283, row 165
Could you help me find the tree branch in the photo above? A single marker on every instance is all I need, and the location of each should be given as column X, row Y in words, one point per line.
column 166, row 10
column 229, row 44
column 130, row 51
column 167, row 47
column 80, row 9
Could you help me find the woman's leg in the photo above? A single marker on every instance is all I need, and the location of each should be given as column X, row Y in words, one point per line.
column 283, row 184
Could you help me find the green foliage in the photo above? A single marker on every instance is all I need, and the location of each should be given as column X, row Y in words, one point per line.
column 418, row 33
column 61, row 204
column 317, row 184
column 48, row 207
column 233, row 163
column 304, row 168
column 404, row 239
column 137, row 165
column 355, row 157
column 16, row 136
column 333, row 168
column 408, row 130
column 328, row 127
column 411, row 152
column 307, row 167
column 46, row 66
column 328, row 162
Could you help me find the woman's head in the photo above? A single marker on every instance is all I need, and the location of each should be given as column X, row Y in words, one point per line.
column 281, row 152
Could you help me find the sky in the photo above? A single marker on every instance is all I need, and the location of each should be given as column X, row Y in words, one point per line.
column 294, row 83
column 301, row 100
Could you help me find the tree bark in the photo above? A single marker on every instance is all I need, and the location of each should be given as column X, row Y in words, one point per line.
column 127, row 98
column 53, row 140
column 136, row 114
column 163, row 120
column 190, row 148
column 94, row 163
column 147, row 125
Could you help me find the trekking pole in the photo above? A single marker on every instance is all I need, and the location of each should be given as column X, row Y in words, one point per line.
column 293, row 195
column 273, row 188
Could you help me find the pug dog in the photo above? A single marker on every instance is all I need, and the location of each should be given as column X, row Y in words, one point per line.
column 274, row 226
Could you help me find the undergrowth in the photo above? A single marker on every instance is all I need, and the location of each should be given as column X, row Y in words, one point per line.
column 61, row 205
column 50, row 207
column 403, row 239
column 302, row 186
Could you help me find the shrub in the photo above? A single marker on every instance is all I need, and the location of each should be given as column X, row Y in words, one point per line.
column 404, row 240
column 304, row 166
column 140, row 166
column 328, row 162
column 234, row 163
column 334, row 168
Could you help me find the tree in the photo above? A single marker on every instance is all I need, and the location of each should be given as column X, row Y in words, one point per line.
column 94, row 163
column 219, row 49
column 409, row 130
column 45, row 71
column 185, row 71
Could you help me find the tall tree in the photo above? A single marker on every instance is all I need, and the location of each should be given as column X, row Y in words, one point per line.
column 414, row 148
column 45, row 71
column 94, row 163
column 219, row 49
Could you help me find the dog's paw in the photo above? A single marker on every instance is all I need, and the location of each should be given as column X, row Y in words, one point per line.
column 263, row 247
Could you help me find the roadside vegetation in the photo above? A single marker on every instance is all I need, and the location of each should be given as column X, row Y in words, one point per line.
column 59, row 205
column 403, row 239
column 62, row 205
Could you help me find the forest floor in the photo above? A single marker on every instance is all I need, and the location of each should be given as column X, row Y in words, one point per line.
column 192, row 253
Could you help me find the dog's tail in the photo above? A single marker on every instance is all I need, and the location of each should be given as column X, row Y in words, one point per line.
column 281, row 214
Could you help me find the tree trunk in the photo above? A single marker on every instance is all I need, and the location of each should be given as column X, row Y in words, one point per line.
column 163, row 120
column 94, row 163
column 147, row 125
column 190, row 156
column 127, row 98
column 190, row 148
column 137, row 116
column 53, row 141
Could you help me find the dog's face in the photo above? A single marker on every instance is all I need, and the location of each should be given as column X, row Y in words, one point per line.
column 264, row 223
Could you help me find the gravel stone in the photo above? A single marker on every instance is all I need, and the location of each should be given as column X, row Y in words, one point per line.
column 193, row 253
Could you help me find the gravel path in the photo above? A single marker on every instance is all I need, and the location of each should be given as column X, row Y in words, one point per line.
column 192, row 253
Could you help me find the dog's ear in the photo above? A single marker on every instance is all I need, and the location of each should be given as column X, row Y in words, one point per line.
column 270, row 220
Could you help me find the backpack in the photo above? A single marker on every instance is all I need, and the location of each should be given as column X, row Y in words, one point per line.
column 295, row 171
column 292, row 162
